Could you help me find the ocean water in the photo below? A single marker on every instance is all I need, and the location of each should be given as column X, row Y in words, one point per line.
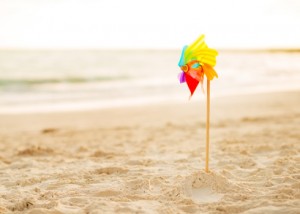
column 51, row 80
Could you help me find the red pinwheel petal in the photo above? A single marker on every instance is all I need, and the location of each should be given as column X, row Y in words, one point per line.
column 191, row 82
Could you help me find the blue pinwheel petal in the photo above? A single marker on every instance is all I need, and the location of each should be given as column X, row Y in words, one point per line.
column 181, row 61
column 196, row 65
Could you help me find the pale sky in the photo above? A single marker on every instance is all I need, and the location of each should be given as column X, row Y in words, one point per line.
column 149, row 24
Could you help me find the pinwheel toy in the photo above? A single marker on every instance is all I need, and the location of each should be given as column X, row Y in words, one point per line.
column 197, row 61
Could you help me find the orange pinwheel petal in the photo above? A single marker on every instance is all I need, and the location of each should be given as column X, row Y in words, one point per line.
column 209, row 72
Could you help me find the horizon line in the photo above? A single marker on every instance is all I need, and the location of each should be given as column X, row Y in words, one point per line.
column 149, row 49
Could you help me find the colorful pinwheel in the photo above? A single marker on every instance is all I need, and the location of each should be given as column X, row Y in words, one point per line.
column 196, row 61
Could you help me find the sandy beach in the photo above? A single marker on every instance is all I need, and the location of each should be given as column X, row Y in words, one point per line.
column 150, row 159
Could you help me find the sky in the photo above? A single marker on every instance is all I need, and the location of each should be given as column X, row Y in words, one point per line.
column 228, row 24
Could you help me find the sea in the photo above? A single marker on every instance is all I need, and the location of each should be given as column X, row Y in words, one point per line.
column 68, row 80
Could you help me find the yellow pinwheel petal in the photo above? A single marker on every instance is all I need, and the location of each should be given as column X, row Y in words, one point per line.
column 210, row 60
column 204, row 55
column 199, row 43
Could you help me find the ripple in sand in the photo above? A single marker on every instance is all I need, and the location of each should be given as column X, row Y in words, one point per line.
column 21, row 205
column 111, row 170
column 35, row 151
column 49, row 130
column 107, row 193
column 100, row 153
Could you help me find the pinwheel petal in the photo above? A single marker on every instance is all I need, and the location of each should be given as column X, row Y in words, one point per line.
column 181, row 77
column 209, row 72
column 182, row 58
column 192, row 83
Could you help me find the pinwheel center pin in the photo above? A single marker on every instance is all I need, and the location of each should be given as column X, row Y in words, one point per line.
column 185, row 68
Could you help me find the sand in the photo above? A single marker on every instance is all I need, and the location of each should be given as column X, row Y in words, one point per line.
column 150, row 159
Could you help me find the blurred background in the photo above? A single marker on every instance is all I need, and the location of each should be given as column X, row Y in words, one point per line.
column 83, row 54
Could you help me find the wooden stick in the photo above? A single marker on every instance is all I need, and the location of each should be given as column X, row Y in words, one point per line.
column 207, row 125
